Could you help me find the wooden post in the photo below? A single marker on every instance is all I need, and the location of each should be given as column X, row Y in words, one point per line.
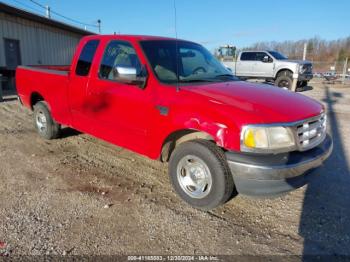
column 305, row 50
column 294, row 84
column 344, row 70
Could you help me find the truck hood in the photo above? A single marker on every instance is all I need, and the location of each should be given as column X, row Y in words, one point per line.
column 301, row 62
column 260, row 103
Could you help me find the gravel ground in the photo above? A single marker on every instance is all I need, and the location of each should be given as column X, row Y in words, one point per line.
column 80, row 196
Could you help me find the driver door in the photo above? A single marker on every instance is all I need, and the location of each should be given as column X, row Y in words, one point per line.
column 264, row 65
column 122, row 111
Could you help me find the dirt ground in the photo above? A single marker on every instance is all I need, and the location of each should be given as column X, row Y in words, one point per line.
column 79, row 196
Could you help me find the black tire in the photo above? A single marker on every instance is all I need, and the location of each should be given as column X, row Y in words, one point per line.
column 222, row 184
column 49, row 130
column 242, row 78
column 284, row 81
column 301, row 84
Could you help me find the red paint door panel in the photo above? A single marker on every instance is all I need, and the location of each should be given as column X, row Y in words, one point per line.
column 121, row 113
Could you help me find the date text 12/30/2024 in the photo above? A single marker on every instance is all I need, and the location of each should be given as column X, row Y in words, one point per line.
column 173, row 258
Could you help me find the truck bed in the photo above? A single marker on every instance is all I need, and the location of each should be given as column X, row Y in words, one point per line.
column 58, row 68
column 49, row 82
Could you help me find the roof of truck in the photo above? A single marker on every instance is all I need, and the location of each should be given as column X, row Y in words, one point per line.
column 133, row 37
column 257, row 51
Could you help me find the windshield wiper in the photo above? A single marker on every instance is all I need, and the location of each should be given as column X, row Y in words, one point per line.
column 196, row 80
column 225, row 75
column 214, row 79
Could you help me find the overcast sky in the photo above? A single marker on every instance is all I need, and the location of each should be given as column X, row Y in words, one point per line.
column 210, row 22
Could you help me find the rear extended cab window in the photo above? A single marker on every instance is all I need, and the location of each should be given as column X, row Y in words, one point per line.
column 86, row 56
column 248, row 56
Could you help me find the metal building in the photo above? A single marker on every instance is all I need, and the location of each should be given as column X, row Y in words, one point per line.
column 31, row 39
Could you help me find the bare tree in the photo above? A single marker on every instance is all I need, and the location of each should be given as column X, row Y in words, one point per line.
column 322, row 52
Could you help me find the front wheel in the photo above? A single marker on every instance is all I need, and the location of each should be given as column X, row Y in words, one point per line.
column 200, row 175
column 284, row 81
column 302, row 84
column 44, row 123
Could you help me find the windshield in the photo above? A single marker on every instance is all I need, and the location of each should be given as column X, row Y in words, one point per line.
column 278, row 55
column 195, row 63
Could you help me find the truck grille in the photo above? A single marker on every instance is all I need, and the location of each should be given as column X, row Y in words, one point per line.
column 311, row 132
column 308, row 68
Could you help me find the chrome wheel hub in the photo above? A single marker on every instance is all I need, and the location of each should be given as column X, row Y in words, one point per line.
column 194, row 176
column 41, row 121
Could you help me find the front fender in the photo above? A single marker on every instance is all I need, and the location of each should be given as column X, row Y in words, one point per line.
column 224, row 134
column 293, row 67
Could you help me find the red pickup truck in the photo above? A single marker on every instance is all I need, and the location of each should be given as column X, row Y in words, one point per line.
column 171, row 100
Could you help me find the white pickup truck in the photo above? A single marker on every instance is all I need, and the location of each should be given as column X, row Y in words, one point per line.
column 271, row 66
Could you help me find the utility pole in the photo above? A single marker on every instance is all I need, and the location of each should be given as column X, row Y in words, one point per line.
column 304, row 53
column 335, row 66
column 344, row 69
column 48, row 12
column 99, row 26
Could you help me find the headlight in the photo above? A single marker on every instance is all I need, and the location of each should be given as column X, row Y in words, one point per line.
column 301, row 69
column 266, row 139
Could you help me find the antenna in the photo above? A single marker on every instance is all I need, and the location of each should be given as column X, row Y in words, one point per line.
column 99, row 26
column 176, row 46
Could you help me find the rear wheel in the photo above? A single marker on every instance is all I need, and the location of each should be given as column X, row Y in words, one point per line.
column 200, row 175
column 44, row 123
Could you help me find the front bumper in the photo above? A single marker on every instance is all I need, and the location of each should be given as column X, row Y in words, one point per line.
column 305, row 77
column 268, row 175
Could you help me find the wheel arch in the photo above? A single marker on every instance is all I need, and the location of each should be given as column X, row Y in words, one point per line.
column 283, row 70
column 180, row 136
column 35, row 97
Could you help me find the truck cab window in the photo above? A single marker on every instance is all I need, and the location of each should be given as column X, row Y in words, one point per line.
column 260, row 56
column 86, row 57
column 184, row 62
column 248, row 56
column 278, row 55
column 118, row 54
column 193, row 61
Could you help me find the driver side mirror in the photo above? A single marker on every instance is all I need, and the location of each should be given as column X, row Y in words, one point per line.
column 129, row 75
column 266, row 59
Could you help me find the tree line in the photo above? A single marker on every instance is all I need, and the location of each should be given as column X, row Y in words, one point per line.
column 323, row 53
